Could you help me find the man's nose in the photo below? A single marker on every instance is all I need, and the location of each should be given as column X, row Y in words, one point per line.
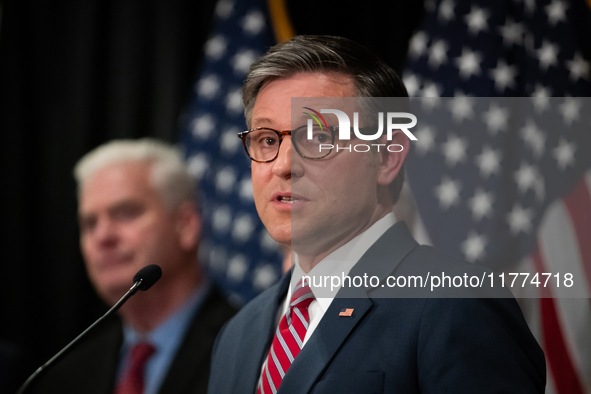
column 285, row 165
column 106, row 234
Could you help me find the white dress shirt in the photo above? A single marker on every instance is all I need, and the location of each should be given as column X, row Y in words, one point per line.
column 337, row 263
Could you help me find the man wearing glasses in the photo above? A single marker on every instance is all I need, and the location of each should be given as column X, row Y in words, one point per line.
column 332, row 203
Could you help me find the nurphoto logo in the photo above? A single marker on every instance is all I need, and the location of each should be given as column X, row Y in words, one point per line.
column 317, row 127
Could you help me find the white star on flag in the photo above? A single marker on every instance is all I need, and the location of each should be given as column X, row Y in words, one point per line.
column 454, row 150
column 216, row 47
column 489, row 161
column 412, row 84
column 565, row 153
column 468, row 63
column 547, row 55
column 253, row 22
column 229, row 144
column 446, row 10
column 556, row 12
column 225, row 180
column 481, row 204
column 224, row 8
column 462, row 108
column 425, row 140
column 237, row 268
column 534, row 138
column 438, row 53
column 242, row 61
column 418, row 45
column 197, row 164
column 222, row 218
column 448, row 193
column 541, row 99
column 208, row 87
column 243, row 226
column 512, row 33
column 519, row 219
column 496, row 118
column 578, row 67
column 570, row 110
column 525, row 177
column 432, row 90
column 246, row 192
column 264, row 276
column 504, row 76
column 477, row 20
column 474, row 246
column 234, row 101
column 202, row 126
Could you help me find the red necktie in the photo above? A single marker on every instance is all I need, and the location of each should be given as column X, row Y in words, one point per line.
column 133, row 381
column 288, row 340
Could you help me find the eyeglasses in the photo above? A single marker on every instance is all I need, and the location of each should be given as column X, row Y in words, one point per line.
column 262, row 143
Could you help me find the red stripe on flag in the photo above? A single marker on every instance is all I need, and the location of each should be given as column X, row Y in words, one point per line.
column 578, row 204
column 566, row 379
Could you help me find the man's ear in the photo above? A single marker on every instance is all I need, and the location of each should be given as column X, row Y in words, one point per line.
column 392, row 156
column 188, row 225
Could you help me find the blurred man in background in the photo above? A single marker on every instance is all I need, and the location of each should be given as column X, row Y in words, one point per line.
column 137, row 207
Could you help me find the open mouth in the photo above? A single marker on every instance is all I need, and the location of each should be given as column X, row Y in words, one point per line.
column 287, row 199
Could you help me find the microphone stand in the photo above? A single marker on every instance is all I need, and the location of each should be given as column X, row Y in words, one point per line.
column 70, row 345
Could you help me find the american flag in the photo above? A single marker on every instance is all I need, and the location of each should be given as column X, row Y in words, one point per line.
column 240, row 255
column 504, row 179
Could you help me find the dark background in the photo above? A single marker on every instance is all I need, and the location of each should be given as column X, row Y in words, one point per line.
column 74, row 74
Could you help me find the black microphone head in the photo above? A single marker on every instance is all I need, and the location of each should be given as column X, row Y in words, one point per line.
column 148, row 276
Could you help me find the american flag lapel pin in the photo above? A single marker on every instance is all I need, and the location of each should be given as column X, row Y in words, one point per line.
column 346, row 312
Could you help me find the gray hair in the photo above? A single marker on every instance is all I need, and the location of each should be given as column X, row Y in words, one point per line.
column 326, row 54
column 168, row 174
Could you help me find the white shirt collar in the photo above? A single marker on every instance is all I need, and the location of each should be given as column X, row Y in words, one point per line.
column 340, row 261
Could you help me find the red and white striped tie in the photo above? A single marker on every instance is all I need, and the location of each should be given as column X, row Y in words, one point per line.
column 288, row 340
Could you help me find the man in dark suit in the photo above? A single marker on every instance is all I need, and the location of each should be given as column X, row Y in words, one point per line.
column 137, row 207
column 332, row 201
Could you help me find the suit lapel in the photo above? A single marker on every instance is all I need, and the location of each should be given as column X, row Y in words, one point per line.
column 195, row 350
column 381, row 259
column 260, row 333
column 99, row 360
column 322, row 346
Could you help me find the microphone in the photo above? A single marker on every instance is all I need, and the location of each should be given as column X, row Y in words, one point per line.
column 143, row 280
column 147, row 276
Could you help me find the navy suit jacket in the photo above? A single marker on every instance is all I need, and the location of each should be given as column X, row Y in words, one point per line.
column 91, row 368
column 389, row 345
